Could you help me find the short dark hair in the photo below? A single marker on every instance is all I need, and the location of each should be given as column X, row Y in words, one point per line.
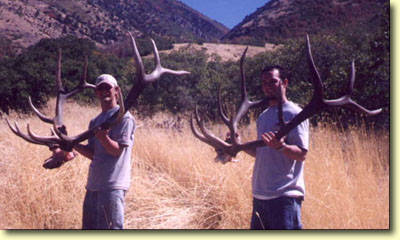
column 282, row 71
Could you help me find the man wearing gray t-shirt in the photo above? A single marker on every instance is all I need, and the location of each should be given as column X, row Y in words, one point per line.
column 278, row 178
column 110, row 169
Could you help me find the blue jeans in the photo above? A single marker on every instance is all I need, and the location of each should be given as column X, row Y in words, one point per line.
column 278, row 213
column 103, row 209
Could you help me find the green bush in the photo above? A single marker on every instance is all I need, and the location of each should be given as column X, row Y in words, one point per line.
column 32, row 73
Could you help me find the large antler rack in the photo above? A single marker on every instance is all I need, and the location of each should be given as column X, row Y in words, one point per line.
column 57, row 120
column 143, row 80
column 62, row 95
column 318, row 103
column 315, row 106
column 206, row 136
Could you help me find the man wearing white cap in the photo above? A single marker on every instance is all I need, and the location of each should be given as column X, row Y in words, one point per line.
column 110, row 169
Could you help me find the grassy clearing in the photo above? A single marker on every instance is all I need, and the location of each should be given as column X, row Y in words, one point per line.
column 177, row 185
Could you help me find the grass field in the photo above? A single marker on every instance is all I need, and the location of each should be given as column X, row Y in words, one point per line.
column 177, row 185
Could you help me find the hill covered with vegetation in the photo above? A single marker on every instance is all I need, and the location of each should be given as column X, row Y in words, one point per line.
column 278, row 20
column 32, row 73
column 25, row 22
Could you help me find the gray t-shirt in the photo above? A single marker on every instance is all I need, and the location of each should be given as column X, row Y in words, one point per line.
column 107, row 172
column 275, row 175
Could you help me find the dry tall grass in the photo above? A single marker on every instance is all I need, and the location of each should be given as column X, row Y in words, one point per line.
column 177, row 185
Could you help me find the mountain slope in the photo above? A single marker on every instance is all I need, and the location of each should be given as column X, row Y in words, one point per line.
column 281, row 19
column 25, row 22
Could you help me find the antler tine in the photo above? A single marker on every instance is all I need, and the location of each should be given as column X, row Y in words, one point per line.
column 221, row 109
column 18, row 132
column 144, row 78
column 84, row 72
column 316, row 104
column 245, row 100
column 44, row 140
column 43, row 117
column 157, row 60
column 197, row 133
column 246, row 103
column 207, row 137
column 242, row 74
column 159, row 70
column 349, row 103
column 280, row 106
column 212, row 139
column 352, row 79
column 139, row 63
column 60, row 86
column 62, row 95
column 60, row 89
column 230, row 123
column 122, row 109
column 61, row 135
column 315, row 77
column 82, row 84
column 346, row 100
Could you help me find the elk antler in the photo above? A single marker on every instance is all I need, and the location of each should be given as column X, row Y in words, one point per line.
column 63, row 95
column 57, row 120
column 318, row 103
column 315, row 106
column 143, row 80
column 206, row 136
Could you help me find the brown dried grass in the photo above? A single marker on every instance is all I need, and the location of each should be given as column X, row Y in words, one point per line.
column 177, row 185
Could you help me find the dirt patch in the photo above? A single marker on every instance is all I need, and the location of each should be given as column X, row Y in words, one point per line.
column 227, row 52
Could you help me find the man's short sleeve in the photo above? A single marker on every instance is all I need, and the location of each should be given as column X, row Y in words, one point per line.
column 123, row 133
column 90, row 144
column 300, row 135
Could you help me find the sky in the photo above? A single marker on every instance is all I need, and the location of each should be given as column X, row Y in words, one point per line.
column 227, row 12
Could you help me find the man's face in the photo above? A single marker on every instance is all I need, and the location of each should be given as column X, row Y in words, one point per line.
column 105, row 93
column 270, row 83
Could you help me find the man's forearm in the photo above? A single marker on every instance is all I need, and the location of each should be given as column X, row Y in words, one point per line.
column 251, row 152
column 84, row 150
column 290, row 151
column 293, row 152
column 111, row 146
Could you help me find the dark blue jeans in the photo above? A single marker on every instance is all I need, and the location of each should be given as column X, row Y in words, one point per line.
column 278, row 213
column 103, row 209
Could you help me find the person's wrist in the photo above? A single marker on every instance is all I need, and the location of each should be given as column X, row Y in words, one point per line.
column 281, row 148
column 102, row 138
column 70, row 155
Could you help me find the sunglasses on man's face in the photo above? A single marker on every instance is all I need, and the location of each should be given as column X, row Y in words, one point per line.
column 103, row 87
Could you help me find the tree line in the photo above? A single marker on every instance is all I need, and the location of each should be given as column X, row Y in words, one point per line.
column 33, row 72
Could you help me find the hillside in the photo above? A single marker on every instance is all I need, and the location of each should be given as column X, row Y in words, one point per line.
column 227, row 52
column 282, row 19
column 25, row 22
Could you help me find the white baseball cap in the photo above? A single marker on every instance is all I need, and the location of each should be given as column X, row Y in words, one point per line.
column 106, row 78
